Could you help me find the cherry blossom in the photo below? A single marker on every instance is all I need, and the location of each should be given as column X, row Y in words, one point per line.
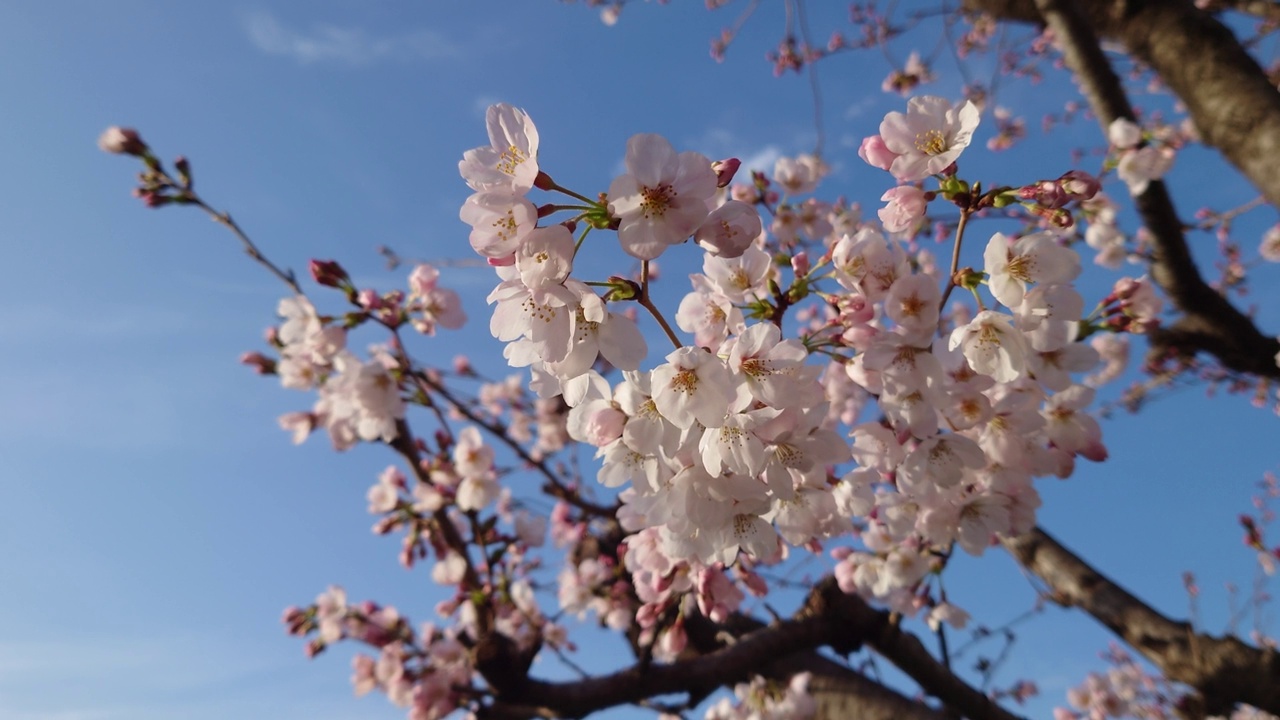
column 510, row 161
column 1032, row 258
column 663, row 197
column 928, row 137
column 693, row 386
column 500, row 220
column 992, row 346
column 907, row 205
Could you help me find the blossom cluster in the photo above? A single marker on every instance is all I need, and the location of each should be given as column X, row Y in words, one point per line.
column 728, row 453
column 753, row 437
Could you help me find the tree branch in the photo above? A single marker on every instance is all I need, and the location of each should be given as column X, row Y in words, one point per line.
column 830, row 618
column 1224, row 670
column 1209, row 322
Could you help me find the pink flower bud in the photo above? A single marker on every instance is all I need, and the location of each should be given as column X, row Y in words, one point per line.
column 800, row 263
column 605, row 426
column 462, row 365
column 122, row 141
column 725, row 170
column 260, row 363
column 1046, row 193
column 907, row 204
column 369, row 299
column 876, row 153
column 294, row 618
column 328, row 273
column 1080, row 184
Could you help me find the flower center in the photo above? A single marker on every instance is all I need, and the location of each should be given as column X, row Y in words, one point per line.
column 657, row 199
column 1020, row 267
column 931, row 142
column 511, row 159
column 505, row 226
column 912, row 305
column 685, row 382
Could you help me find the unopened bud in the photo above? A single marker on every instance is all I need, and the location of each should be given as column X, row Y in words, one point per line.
column 725, row 170
column 151, row 198
column 122, row 141
column 260, row 363
column 1080, row 184
column 462, row 366
column 621, row 289
column 183, row 168
column 328, row 273
column 800, row 263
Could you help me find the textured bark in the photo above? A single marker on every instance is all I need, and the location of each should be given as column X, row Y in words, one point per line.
column 830, row 618
column 1209, row 322
column 1227, row 94
column 1223, row 670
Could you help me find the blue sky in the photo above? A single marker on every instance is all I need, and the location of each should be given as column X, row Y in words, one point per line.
column 153, row 519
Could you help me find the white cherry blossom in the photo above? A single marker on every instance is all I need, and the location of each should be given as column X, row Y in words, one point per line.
column 928, row 137
column 510, row 161
column 993, row 346
column 693, row 386
column 663, row 197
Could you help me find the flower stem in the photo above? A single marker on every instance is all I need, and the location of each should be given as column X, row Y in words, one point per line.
column 647, row 303
column 955, row 258
column 557, row 187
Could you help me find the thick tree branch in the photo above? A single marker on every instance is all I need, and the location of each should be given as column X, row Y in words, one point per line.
column 1209, row 322
column 830, row 618
column 1262, row 9
column 1227, row 94
column 839, row 691
column 1223, row 670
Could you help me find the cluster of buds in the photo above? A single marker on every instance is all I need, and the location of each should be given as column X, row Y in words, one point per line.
column 156, row 188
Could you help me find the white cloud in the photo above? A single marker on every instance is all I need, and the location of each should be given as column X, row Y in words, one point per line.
column 350, row 46
column 761, row 160
column 860, row 108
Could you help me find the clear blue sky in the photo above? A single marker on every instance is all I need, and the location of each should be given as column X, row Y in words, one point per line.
column 153, row 520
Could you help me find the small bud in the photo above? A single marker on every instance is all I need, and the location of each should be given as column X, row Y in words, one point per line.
column 151, row 198
column 968, row 278
column 183, row 168
column 328, row 273
column 462, row 366
column 800, row 263
column 621, row 289
column 369, row 299
column 1080, row 184
column 260, row 363
column 725, row 170
column 1005, row 199
column 122, row 141
column 875, row 153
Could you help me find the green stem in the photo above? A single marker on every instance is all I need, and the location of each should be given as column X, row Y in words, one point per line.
column 556, row 186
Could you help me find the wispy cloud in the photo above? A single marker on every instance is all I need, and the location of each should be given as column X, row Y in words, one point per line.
column 761, row 160
column 860, row 108
column 345, row 45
